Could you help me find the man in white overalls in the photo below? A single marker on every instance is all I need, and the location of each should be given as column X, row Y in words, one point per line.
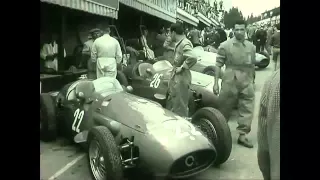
column 49, row 53
column 106, row 51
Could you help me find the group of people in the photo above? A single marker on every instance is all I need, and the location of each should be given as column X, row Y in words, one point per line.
column 103, row 53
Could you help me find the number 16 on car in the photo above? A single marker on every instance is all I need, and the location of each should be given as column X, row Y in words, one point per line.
column 78, row 116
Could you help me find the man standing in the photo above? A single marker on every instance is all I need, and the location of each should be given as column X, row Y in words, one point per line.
column 86, row 53
column 49, row 53
column 194, row 36
column 169, row 47
column 222, row 35
column 269, row 129
column 106, row 52
column 178, row 93
column 261, row 36
column 238, row 55
column 275, row 44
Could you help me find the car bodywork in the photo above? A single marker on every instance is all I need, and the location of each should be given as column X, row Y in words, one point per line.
column 126, row 116
column 208, row 59
column 151, row 81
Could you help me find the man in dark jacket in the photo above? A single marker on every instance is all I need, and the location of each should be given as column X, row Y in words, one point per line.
column 261, row 38
column 222, row 35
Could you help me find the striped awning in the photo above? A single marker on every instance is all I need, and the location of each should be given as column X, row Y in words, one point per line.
column 203, row 19
column 186, row 17
column 87, row 6
column 214, row 22
column 150, row 8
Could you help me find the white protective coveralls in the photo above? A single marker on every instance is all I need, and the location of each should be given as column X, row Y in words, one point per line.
column 50, row 49
column 106, row 51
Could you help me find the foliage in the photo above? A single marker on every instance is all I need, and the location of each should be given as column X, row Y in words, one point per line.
column 231, row 17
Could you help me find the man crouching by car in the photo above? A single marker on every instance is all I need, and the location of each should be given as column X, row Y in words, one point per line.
column 178, row 93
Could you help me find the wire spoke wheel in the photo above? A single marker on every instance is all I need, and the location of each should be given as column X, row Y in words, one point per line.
column 207, row 128
column 96, row 161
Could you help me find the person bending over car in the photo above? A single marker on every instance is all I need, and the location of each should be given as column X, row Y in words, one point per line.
column 238, row 55
column 178, row 92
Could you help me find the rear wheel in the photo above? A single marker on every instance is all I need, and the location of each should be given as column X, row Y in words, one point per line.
column 104, row 155
column 213, row 124
column 48, row 122
column 209, row 71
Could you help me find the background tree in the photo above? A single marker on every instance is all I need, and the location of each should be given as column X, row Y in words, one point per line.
column 232, row 16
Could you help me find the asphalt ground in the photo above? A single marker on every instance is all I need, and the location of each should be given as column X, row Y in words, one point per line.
column 61, row 161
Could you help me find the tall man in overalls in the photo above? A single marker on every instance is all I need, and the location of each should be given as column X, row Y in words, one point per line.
column 238, row 55
column 178, row 93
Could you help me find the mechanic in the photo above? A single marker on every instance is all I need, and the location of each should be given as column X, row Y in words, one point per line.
column 86, row 53
column 269, row 129
column 49, row 53
column 106, row 53
column 238, row 55
column 169, row 47
column 178, row 92
column 275, row 44
column 194, row 36
column 143, row 39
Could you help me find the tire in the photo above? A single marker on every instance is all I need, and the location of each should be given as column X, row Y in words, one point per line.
column 110, row 152
column 216, row 123
column 210, row 70
column 48, row 120
column 264, row 65
column 121, row 77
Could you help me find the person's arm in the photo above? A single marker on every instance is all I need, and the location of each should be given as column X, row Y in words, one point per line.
column 190, row 58
column 118, row 53
column 220, row 61
column 94, row 52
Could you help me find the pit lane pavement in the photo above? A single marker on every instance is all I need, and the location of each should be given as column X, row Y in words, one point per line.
column 60, row 161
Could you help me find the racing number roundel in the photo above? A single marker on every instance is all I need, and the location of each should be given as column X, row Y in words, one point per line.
column 156, row 80
column 78, row 117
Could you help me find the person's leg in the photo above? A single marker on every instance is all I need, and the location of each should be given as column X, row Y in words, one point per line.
column 178, row 97
column 227, row 98
column 245, row 112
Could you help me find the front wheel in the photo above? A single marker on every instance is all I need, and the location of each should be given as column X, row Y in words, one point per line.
column 104, row 155
column 213, row 124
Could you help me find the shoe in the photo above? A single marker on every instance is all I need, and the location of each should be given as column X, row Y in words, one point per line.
column 243, row 141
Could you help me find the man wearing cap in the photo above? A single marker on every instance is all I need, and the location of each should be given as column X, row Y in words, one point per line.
column 106, row 52
column 238, row 55
column 86, row 53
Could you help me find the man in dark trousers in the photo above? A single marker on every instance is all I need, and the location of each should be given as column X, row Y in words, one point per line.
column 261, row 38
column 179, row 84
column 238, row 55
column 275, row 44
column 269, row 129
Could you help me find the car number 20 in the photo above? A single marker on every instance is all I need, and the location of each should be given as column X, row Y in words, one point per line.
column 78, row 117
column 156, row 80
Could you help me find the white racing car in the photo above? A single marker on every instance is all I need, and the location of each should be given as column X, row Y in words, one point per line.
column 207, row 60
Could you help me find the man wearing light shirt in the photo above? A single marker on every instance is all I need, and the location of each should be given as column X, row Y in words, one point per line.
column 106, row 52
column 49, row 53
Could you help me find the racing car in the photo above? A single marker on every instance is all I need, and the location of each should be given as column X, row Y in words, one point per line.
column 151, row 81
column 207, row 60
column 121, row 131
